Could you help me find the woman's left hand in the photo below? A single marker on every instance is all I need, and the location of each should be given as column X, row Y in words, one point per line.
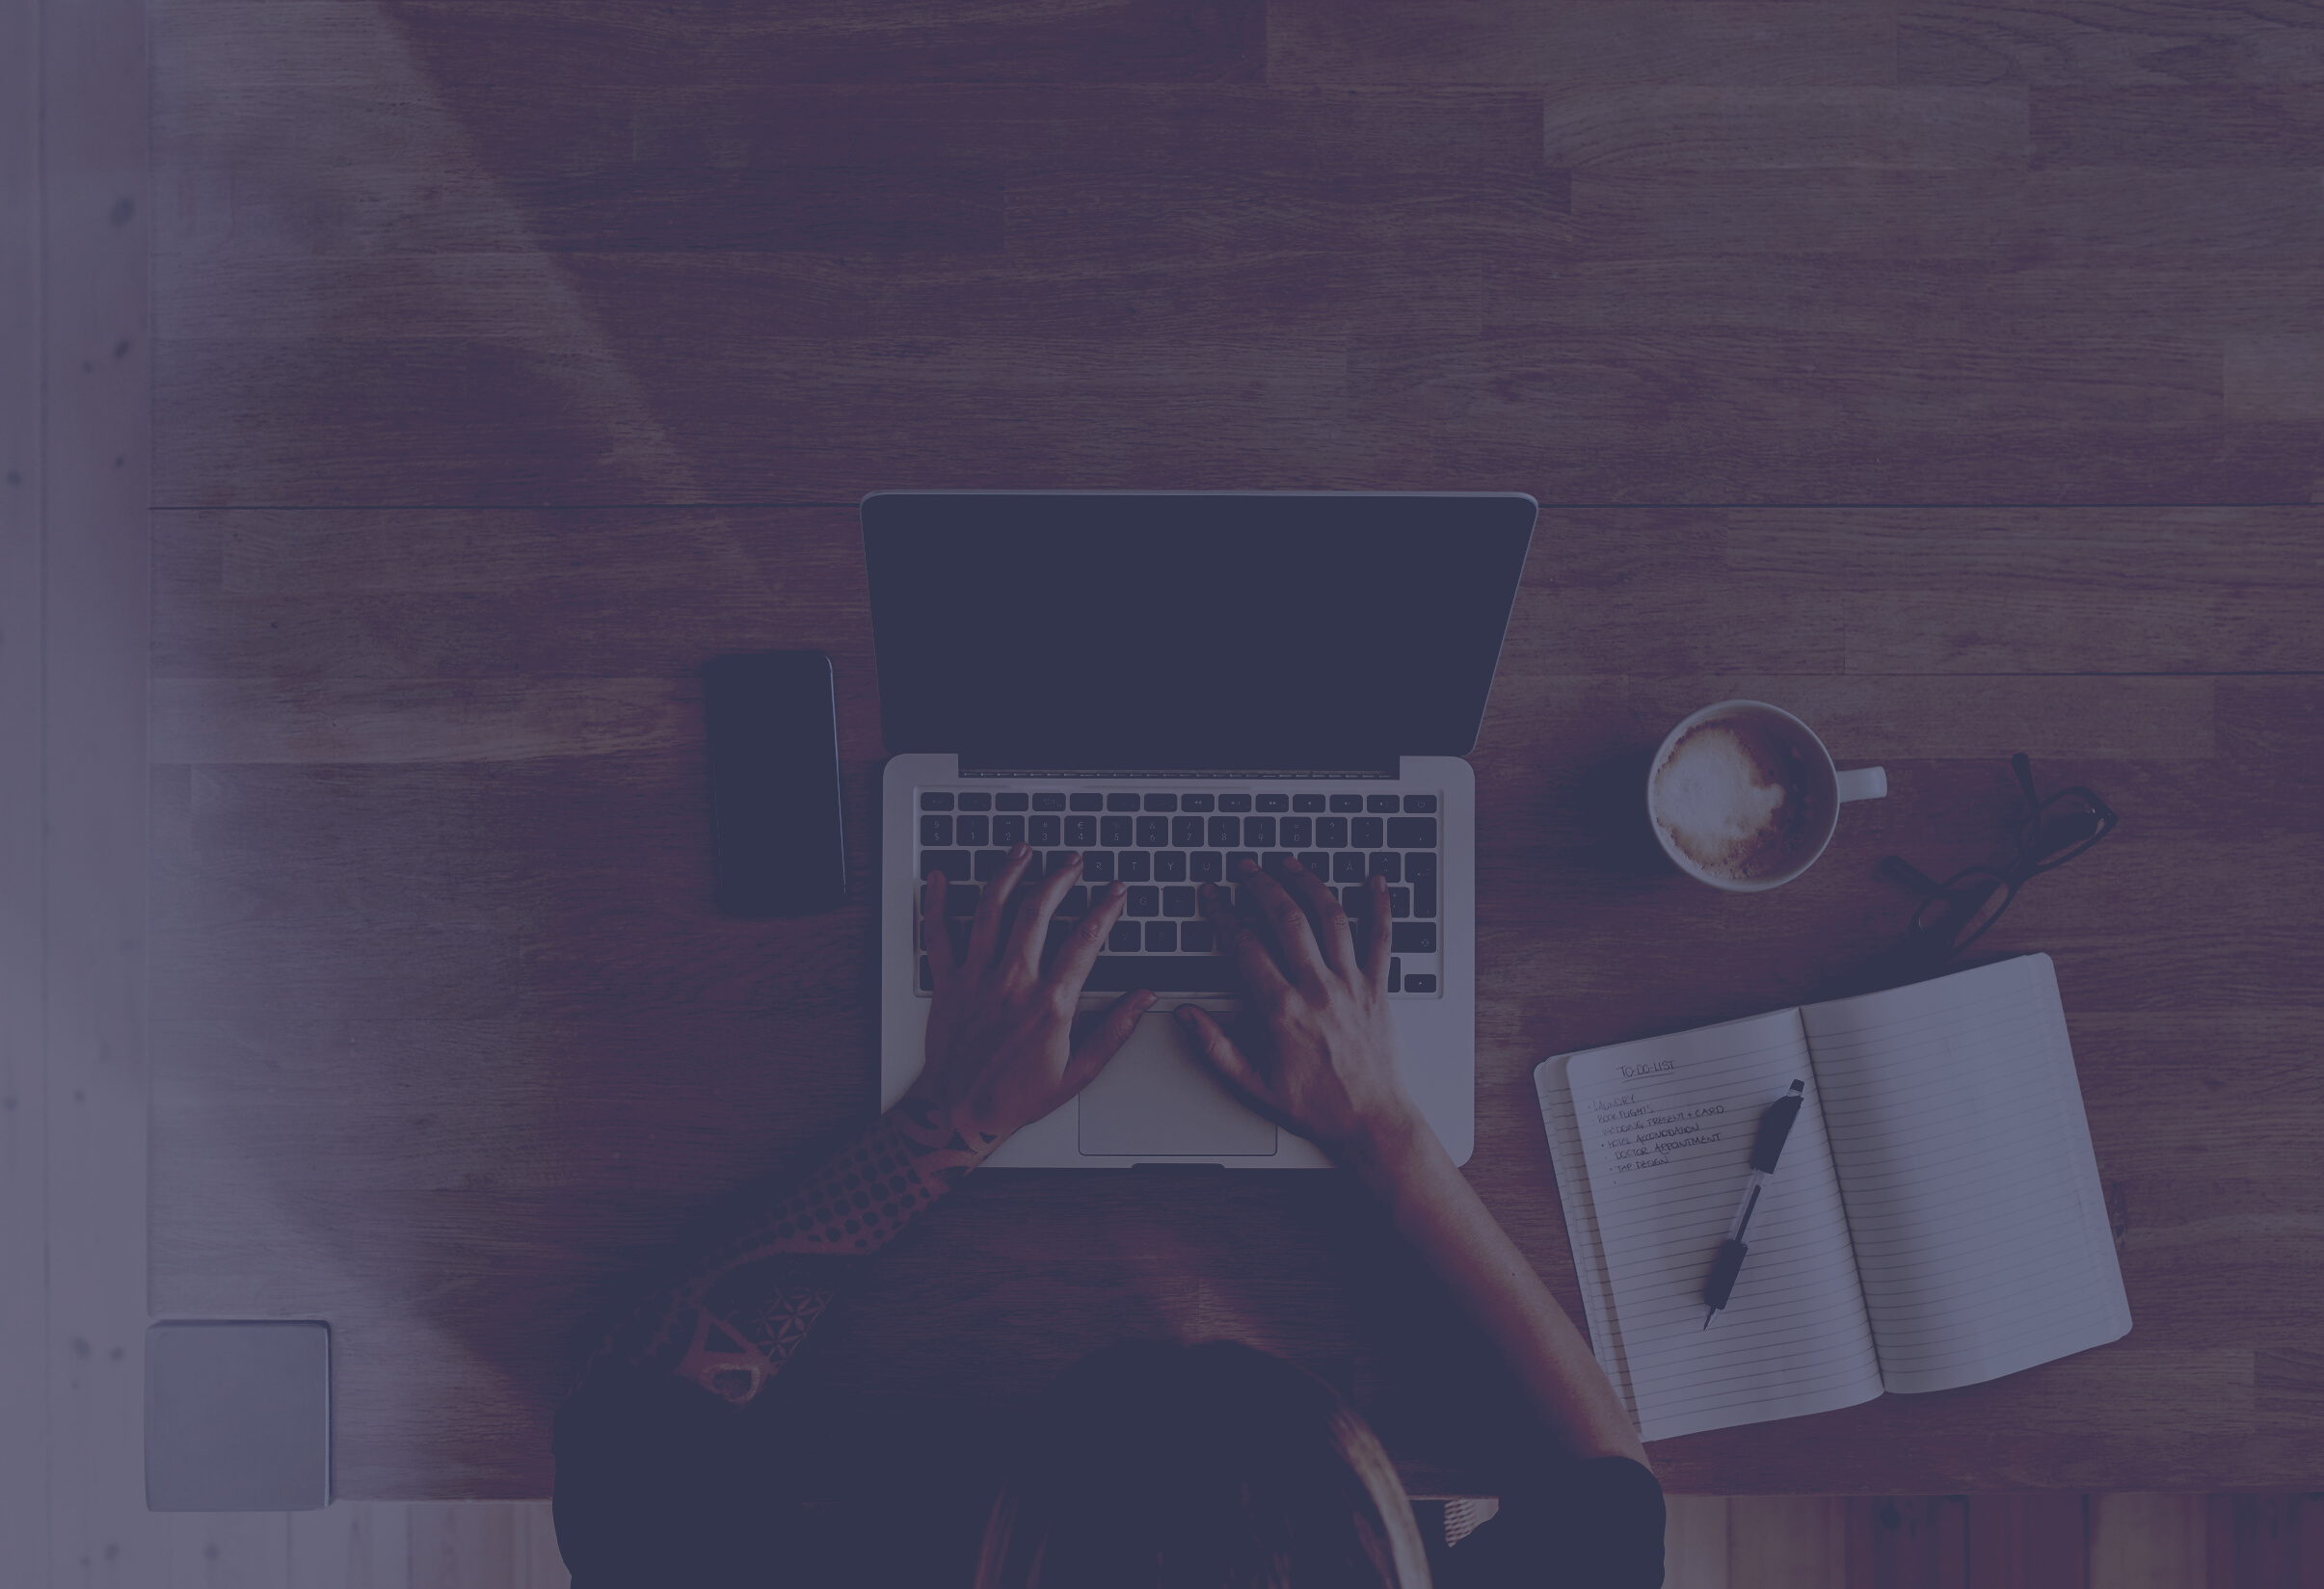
column 1000, row 1047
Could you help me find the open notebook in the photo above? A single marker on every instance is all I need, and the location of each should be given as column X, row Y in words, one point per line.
column 1935, row 1218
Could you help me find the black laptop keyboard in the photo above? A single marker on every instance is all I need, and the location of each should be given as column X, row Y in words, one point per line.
column 1164, row 845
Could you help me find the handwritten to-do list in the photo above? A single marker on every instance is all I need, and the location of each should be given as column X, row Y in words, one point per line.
column 1667, row 1141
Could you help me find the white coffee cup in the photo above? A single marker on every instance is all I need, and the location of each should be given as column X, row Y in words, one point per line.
column 1743, row 796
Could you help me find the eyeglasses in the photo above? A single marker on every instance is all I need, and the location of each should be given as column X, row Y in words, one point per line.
column 1957, row 910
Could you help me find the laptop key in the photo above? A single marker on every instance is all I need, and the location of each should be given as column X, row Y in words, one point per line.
column 1364, row 833
column 1423, row 899
column 1420, row 804
column 1081, row 832
column 953, row 864
column 1114, row 832
column 1226, row 831
column 1205, row 866
column 1421, row 983
column 1164, row 973
column 1186, row 832
column 1169, row 865
column 1234, row 802
column 1162, row 803
column 1142, row 901
column 1121, row 803
column 1133, row 865
column 1347, row 803
column 1413, row 937
column 1176, row 902
column 1041, row 832
column 1153, row 832
column 1161, row 938
column 1008, row 830
column 934, row 802
column 1317, row 863
column 1258, row 832
column 1049, row 802
column 1399, row 902
column 976, row 802
column 1008, row 803
column 1347, row 867
column 1307, row 802
column 1274, row 803
column 1194, row 802
column 1413, row 832
column 1196, row 937
column 1087, row 802
column 1382, row 803
column 989, row 864
column 936, row 831
column 1389, row 864
column 972, row 832
column 1331, row 831
column 1298, row 832
column 1097, row 865
column 1123, row 940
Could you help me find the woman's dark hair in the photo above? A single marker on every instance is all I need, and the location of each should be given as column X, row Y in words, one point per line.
column 1152, row 1465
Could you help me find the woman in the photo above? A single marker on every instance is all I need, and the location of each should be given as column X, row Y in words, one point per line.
column 1146, row 1466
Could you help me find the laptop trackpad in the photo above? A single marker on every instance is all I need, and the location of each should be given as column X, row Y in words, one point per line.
column 1155, row 1096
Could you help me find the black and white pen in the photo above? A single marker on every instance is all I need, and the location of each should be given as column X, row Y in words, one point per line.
column 1774, row 1128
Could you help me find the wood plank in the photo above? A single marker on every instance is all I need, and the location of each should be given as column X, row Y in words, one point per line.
column 2090, row 42
column 93, row 478
column 226, row 1550
column 26, row 1500
column 352, row 1545
column 1694, row 1541
column 2031, row 1538
column 2145, row 1540
column 2216, row 126
column 603, row 42
column 1795, row 1540
column 1762, row 126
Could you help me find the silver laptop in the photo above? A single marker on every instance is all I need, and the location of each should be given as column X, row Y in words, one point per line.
column 1164, row 682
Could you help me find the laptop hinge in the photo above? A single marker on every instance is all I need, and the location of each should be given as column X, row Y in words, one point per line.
column 972, row 768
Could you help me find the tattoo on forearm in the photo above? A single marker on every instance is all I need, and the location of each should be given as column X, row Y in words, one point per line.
column 745, row 1306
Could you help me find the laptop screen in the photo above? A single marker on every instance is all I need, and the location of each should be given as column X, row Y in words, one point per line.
column 1193, row 630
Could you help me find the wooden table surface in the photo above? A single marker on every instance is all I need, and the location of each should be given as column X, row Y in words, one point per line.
column 1949, row 377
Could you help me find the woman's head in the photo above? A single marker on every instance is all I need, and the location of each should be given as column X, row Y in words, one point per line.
column 1156, row 1466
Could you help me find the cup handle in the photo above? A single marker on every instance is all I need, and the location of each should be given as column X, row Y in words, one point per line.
column 1863, row 783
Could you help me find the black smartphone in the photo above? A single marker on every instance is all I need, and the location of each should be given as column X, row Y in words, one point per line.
column 771, row 719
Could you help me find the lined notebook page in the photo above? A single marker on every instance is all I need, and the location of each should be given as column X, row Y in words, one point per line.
column 1667, row 1128
column 1965, row 1161
column 1565, row 1131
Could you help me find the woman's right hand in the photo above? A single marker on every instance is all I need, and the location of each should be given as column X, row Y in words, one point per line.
column 1317, row 1054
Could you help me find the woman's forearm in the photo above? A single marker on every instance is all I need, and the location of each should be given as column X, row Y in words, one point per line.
column 1434, row 1208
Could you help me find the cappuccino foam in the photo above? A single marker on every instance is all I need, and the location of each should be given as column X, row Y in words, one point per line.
column 1729, row 798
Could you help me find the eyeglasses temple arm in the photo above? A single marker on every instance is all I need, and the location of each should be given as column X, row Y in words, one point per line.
column 1896, row 866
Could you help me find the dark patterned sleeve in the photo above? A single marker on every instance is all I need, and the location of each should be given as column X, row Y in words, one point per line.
column 1579, row 1523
